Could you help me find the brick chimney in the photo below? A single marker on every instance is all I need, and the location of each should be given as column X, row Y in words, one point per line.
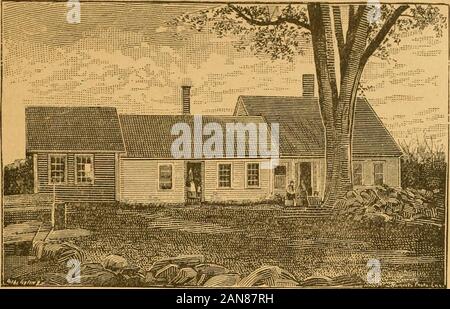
column 308, row 85
column 186, row 97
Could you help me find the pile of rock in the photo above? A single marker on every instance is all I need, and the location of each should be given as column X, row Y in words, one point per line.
column 384, row 203
column 186, row 271
column 57, row 252
column 192, row 270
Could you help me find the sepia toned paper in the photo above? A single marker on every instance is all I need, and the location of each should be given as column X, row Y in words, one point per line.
column 178, row 144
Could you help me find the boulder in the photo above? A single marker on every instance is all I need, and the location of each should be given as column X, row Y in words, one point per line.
column 186, row 275
column 366, row 197
column 114, row 262
column 393, row 201
column 316, row 281
column 393, row 194
column 410, row 193
column 224, row 280
column 181, row 260
column 132, row 271
column 167, row 273
column 210, row 270
column 201, row 279
column 60, row 252
column 352, row 203
column 265, row 275
column 350, row 194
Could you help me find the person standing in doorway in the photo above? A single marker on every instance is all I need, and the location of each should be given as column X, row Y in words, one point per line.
column 303, row 194
column 290, row 194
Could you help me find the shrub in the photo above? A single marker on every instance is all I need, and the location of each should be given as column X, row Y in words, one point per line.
column 423, row 165
column 18, row 177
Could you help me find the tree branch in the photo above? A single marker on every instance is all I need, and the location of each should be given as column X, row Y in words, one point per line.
column 353, row 22
column 359, row 14
column 351, row 15
column 321, row 35
column 384, row 31
column 280, row 20
column 338, row 29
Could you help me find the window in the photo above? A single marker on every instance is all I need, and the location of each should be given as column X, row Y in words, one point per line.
column 357, row 173
column 57, row 169
column 253, row 175
column 224, row 176
column 165, row 177
column 84, row 169
column 378, row 173
column 280, row 177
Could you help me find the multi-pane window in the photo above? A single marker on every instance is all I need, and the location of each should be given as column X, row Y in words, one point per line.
column 378, row 173
column 84, row 169
column 357, row 173
column 280, row 177
column 253, row 175
column 57, row 169
column 224, row 175
column 165, row 177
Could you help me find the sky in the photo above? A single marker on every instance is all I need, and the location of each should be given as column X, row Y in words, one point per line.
column 126, row 55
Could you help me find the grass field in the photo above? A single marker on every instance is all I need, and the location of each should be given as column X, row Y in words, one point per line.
column 244, row 238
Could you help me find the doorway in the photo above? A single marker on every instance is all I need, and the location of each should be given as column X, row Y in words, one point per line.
column 194, row 171
column 304, row 176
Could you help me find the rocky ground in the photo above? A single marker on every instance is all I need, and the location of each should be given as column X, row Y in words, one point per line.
column 186, row 270
column 277, row 246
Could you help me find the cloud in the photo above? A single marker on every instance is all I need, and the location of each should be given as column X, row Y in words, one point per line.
column 161, row 29
column 180, row 28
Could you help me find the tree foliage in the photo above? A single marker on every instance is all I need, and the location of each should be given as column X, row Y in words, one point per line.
column 18, row 177
column 343, row 38
column 283, row 31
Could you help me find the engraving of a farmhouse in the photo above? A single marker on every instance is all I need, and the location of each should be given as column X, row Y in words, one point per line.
column 224, row 144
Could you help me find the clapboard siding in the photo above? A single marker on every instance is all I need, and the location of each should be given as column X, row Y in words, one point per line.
column 139, row 181
column 238, row 190
column 102, row 190
column 391, row 170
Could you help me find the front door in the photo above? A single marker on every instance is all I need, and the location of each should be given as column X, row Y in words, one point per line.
column 304, row 176
column 194, row 172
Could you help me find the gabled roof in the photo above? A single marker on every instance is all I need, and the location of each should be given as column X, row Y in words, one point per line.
column 51, row 128
column 149, row 136
column 302, row 131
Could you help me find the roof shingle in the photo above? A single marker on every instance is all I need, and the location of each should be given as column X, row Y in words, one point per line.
column 149, row 136
column 302, row 131
column 51, row 128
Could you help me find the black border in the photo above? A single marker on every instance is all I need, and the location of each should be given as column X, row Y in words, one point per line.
column 446, row 248
column 153, row 298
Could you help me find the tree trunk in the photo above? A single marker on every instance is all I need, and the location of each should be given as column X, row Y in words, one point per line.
column 338, row 161
column 337, row 107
